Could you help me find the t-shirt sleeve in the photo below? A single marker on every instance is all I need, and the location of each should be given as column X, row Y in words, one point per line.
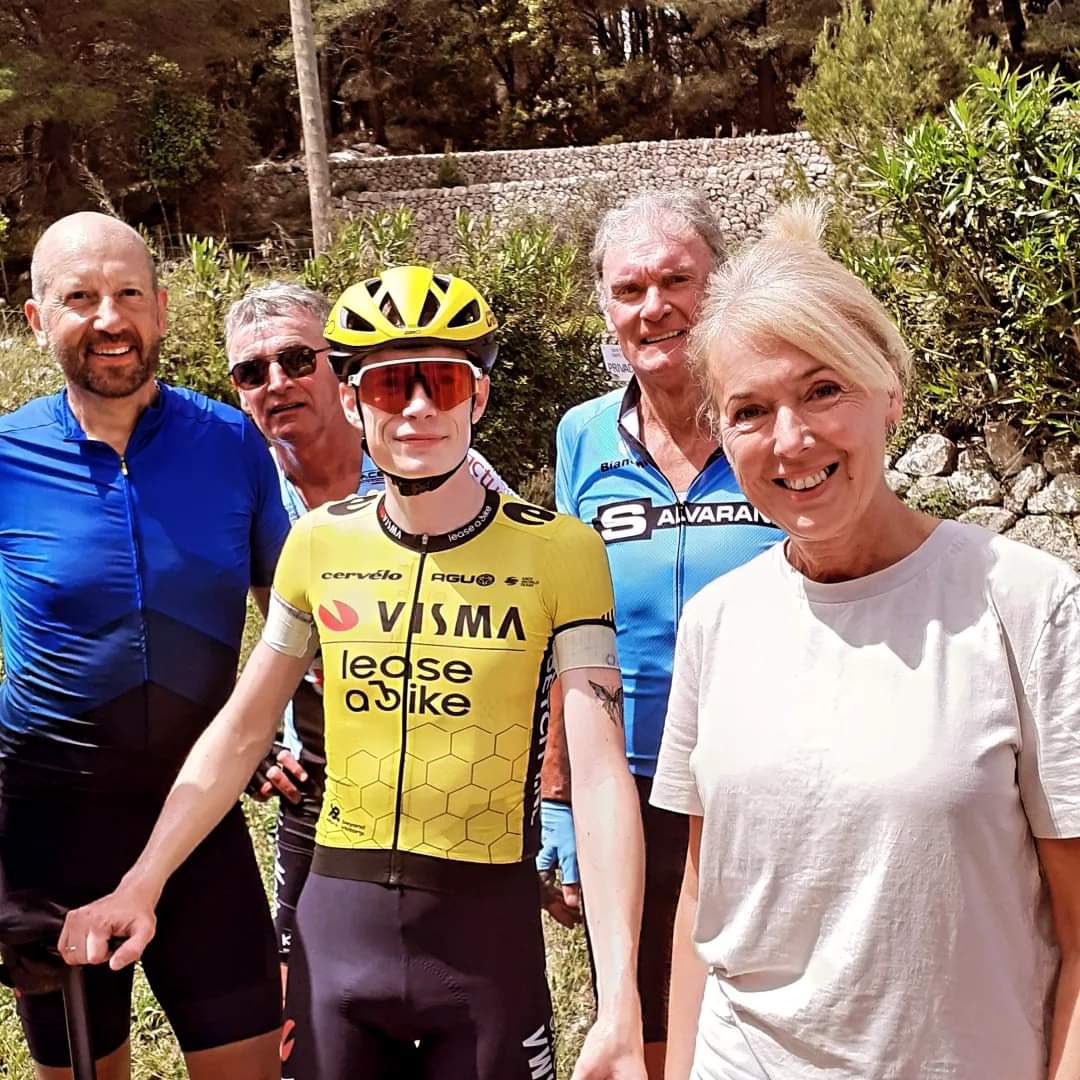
column 674, row 786
column 565, row 503
column 270, row 522
column 581, row 602
column 1050, row 725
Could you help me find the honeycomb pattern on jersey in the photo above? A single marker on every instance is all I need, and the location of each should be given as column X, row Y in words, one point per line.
column 463, row 791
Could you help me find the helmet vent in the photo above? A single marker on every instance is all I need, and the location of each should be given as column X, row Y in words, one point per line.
column 430, row 310
column 469, row 315
column 442, row 280
column 357, row 322
column 390, row 310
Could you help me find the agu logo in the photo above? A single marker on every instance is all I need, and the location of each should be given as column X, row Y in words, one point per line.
column 338, row 617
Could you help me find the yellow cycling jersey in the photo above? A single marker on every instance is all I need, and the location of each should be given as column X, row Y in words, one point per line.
column 438, row 655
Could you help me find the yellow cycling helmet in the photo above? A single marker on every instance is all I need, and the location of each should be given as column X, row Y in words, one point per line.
column 410, row 305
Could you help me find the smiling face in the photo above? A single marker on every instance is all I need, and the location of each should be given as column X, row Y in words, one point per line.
column 420, row 440
column 98, row 313
column 805, row 441
column 653, row 287
column 286, row 409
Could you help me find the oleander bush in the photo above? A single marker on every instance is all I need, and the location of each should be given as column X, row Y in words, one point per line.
column 977, row 249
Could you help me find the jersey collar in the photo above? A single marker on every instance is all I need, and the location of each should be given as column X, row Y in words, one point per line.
column 630, row 427
column 440, row 541
column 149, row 420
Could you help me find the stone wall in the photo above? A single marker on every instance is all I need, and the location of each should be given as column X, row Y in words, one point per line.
column 741, row 176
column 995, row 482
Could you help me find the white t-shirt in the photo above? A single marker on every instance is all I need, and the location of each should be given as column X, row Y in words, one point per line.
column 872, row 759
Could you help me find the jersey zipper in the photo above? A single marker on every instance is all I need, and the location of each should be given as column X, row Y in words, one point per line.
column 139, row 594
column 395, row 861
column 680, row 539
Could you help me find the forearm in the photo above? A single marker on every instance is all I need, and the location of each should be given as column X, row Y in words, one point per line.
column 688, row 974
column 611, row 860
column 218, row 767
column 1065, row 1032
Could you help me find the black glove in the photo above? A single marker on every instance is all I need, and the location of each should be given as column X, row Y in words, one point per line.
column 259, row 777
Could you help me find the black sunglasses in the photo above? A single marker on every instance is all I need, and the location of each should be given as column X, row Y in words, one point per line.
column 296, row 361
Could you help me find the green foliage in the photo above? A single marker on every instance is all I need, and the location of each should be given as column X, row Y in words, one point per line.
column 939, row 503
column 177, row 146
column 875, row 76
column 549, row 336
column 201, row 288
column 978, row 251
column 449, row 172
column 360, row 249
column 26, row 370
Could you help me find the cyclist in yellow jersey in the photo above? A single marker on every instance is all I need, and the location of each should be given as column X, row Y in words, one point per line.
column 444, row 612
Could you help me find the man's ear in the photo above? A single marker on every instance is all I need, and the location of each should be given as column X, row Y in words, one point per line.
column 347, row 396
column 481, row 397
column 33, row 317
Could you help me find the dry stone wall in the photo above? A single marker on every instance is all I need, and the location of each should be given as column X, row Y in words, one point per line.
column 994, row 481
column 741, row 177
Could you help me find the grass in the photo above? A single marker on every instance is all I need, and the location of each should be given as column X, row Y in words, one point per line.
column 154, row 1054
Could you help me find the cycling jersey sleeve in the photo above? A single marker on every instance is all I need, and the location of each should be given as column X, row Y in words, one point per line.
column 270, row 522
column 564, row 437
column 290, row 627
column 484, row 471
column 582, row 604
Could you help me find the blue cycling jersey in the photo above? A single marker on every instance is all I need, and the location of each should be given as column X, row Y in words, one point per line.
column 662, row 545
column 122, row 586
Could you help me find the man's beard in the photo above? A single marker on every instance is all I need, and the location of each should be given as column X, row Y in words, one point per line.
column 103, row 379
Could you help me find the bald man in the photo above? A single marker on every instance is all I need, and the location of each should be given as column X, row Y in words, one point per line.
column 134, row 517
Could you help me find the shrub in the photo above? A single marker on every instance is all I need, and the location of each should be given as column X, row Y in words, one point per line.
column 449, row 173
column 875, row 76
column 980, row 218
column 360, row 248
column 201, row 288
column 549, row 336
column 177, row 143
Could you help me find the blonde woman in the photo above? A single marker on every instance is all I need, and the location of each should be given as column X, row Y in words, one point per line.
column 874, row 729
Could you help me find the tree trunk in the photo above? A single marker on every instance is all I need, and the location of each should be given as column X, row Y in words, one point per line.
column 311, row 117
column 766, row 81
column 1013, row 14
column 766, row 85
column 62, row 191
column 326, row 89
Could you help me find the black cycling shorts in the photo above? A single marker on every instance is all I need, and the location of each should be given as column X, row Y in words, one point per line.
column 294, row 847
column 667, row 836
column 211, row 964
column 406, row 983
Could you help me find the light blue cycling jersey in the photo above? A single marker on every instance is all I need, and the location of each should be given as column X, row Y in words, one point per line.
column 662, row 545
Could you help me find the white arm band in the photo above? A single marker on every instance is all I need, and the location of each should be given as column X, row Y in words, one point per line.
column 590, row 644
column 288, row 630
